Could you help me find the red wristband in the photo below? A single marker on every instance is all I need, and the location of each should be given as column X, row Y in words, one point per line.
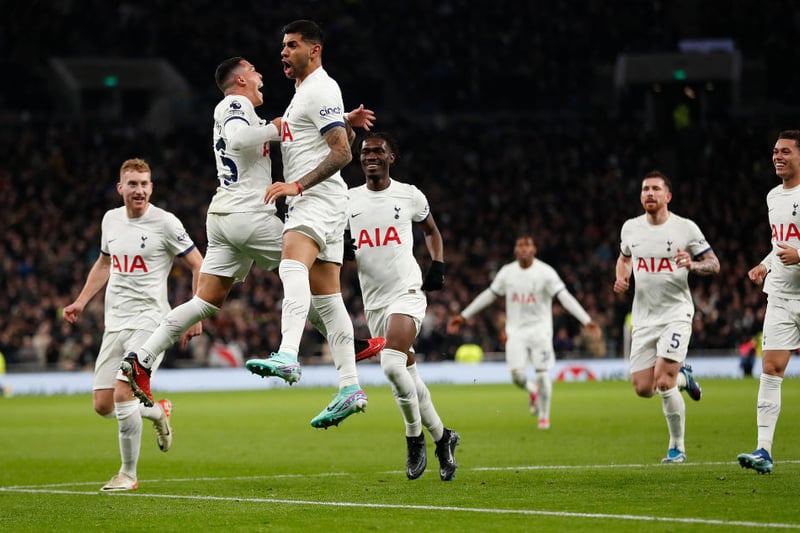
column 299, row 188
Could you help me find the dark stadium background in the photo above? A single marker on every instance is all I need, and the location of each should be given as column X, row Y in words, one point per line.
column 511, row 116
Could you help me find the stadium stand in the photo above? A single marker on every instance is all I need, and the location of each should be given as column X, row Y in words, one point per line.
column 506, row 116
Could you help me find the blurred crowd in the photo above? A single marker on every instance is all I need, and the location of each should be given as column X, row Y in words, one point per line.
column 502, row 118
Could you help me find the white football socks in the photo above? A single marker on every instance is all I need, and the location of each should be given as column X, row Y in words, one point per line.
column 768, row 409
column 130, row 435
column 172, row 326
column 393, row 363
column 296, row 301
column 430, row 418
column 339, row 326
column 545, row 386
column 674, row 408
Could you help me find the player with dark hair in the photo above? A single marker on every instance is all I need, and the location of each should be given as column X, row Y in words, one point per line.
column 780, row 276
column 529, row 286
column 382, row 214
column 315, row 144
column 241, row 229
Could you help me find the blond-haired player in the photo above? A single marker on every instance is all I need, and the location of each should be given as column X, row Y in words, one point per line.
column 138, row 245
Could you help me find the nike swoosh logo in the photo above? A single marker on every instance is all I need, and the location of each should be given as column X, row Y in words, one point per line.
column 354, row 215
column 111, row 240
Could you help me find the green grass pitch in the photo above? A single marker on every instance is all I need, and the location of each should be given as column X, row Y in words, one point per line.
column 250, row 461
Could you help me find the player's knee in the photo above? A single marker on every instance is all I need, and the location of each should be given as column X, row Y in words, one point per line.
column 519, row 378
column 208, row 307
column 666, row 382
column 104, row 409
column 644, row 390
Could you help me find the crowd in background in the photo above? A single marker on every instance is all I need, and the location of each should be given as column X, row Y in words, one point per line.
column 502, row 120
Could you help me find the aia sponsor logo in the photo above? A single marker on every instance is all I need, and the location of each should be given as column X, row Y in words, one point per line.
column 128, row 264
column 523, row 298
column 286, row 133
column 378, row 237
column 784, row 232
column 654, row 264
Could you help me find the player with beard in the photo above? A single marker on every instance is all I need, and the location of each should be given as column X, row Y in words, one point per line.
column 661, row 248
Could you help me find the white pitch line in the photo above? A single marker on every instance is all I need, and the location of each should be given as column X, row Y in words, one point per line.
column 341, row 474
column 53, row 489
column 594, row 467
column 528, row 512
column 182, row 480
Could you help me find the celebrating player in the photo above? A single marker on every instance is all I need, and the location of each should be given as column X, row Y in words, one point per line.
column 315, row 145
column 381, row 215
column 782, row 285
column 138, row 244
column 529, row 286
column 241, row 229
column 660, row 248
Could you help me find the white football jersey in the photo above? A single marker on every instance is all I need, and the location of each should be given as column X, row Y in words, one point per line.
column 381, row 222
column 141, row 251
column 783, row 206
column 662, row 292
column 529, row 294
column 316, row 107
column 245, row 173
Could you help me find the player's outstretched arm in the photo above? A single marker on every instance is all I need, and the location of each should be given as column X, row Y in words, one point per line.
column 454, row 323
column 96, row 280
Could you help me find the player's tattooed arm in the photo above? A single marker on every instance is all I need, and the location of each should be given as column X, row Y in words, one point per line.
column 706, row 265
column 351, row 135
column 339, row 156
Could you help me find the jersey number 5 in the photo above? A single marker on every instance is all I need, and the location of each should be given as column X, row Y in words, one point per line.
column 227, row 162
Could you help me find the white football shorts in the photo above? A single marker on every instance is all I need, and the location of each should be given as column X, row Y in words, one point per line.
column 115, row 346
column 526, row 348
column 321, row 218
column 648, row 343
column 410, row 304
column 781, row 324
column 236, row 240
